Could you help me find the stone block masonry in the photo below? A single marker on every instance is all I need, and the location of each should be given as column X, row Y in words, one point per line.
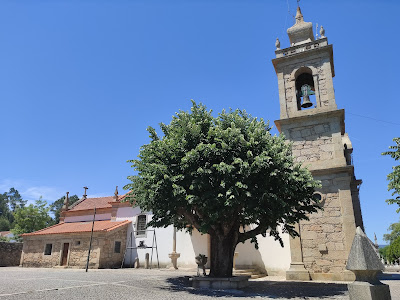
column 10, row 254
column 102, row 253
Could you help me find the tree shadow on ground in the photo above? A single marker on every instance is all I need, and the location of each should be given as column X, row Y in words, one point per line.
column 273, row 289
column 389, row 276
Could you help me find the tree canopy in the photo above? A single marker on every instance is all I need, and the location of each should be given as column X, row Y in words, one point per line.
column 9, row 202
column 226, row 176
column 56, row 206
column 394, row 177
column 394, row 233
column 31, row 218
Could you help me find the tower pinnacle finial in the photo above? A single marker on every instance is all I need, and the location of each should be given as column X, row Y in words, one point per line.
column 116, row 194
column 299, row 15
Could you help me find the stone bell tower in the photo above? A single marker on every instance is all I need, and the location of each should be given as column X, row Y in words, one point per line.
column 309, row 118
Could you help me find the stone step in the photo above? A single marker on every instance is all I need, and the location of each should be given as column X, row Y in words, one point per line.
column 256, row 276
column 253, row 273
column 240, row 271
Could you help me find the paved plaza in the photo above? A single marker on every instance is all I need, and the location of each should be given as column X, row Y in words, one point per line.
column 30, row 283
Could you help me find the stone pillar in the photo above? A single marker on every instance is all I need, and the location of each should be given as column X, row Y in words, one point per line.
column 234, row 259
column 365, row 264
column 297, row 271
column 174, row 256
column 146, row 261
column 137, row 263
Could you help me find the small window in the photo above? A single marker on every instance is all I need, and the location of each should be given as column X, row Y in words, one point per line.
column 77, row 243
column 141, row 225
column 47, row 249
column 117, row 247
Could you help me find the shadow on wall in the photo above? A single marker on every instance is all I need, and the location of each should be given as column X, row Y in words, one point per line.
column 200, row 243
column 270, row 289
column 130, row 254
column 249, row 257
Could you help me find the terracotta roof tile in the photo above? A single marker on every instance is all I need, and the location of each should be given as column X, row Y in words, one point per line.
column 100, row 202
column 78, row 227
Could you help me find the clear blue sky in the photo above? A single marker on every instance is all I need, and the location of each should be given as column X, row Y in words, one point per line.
column 81, row 80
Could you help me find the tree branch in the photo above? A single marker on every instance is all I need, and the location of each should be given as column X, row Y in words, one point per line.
column 252, row 233
column 190, row 218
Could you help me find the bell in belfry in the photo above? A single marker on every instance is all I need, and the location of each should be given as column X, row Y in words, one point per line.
column 306, row 91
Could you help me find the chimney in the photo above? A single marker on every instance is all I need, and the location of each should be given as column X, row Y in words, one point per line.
column 84, row 195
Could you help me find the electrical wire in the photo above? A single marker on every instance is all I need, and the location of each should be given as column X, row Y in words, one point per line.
column 371, row 118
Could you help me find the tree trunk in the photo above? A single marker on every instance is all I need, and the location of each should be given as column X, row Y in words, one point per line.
column 222, row 252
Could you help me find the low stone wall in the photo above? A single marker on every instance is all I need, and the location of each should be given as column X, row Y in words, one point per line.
column 10, row 254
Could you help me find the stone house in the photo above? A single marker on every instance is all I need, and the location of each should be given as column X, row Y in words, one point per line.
column 118, row 230
column 67, row 243
column 310, row 119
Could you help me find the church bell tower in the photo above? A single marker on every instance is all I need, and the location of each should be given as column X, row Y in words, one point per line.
column 310, row 119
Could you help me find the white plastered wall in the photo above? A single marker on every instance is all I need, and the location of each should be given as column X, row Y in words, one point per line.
column 269, row 257
column 163, row 239
column 85, row 218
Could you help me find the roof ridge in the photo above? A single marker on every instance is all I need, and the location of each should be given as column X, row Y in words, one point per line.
column 109, row 226
column 76, row 203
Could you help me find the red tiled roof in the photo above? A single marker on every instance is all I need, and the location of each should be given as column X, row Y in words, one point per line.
column 100, row 202
column 79, row 227
column 4, row 233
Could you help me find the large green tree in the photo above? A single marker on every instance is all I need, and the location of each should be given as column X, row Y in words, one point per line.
column 31, row 218
column 14, row 199
column 226, row 176
column 5, row 224
column 6, row 217
column 9, row 201
column 56, row 206
column 394, row 177
column 394, row 229
column 391, row 253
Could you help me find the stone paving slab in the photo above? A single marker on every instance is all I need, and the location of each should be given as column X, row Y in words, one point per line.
column 29, row 283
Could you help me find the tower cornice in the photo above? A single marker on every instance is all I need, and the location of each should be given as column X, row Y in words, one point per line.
column 285, row 56
column 312, row 115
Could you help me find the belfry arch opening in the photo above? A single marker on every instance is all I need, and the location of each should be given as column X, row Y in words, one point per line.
column 305, row 89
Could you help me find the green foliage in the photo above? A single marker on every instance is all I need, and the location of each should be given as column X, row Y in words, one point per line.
column 384, row 252
column 4, row 224
column 394, row 233
column 8, row 203
column 391, row 253
column 4, row 239
column 56, row 206
column 394, row 177
column 221, row 174
column 5, row 212
column 15, row 200
column 31, row 218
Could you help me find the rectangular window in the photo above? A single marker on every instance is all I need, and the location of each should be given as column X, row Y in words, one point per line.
column 117, row 247
column 141, row 225
column 47, row 250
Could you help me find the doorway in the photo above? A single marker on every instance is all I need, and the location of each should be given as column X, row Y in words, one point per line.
column 64, row 258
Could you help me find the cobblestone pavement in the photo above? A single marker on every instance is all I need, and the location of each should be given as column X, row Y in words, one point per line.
column 30, row 283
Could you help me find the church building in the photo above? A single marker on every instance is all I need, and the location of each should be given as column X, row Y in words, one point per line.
column 310, row 120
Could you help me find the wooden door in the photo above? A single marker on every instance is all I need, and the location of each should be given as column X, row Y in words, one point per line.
column 65, row 254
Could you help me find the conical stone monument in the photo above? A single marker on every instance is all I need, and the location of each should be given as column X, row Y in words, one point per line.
column 365, row 264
